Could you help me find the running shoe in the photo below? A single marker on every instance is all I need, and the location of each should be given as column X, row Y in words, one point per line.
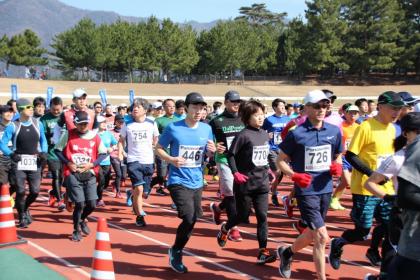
column 129, row 198
column 215, row 213
column 235, row 235
column 264, row 257
column 140, row 222
column 373, row 257
column 51, row 199
column 69, row 204
column 173, row 206
column 219, row 194
column 161, row 191
column 336, row 250
column 23, row 223
column 288, row 208
column 222, row 236
column 100, row 203
column 216, row 178
column 335, row 204
column 12, row 202
column 275, row 200
column 299, row 226
column 205, row 184
column 84, row 227
column 175, row 261
column 118, row 195
column 76, row 236
column 285, row 263
column 61, row 206
column 370, row 276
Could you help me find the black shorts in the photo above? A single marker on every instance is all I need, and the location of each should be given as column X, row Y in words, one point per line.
column 187, row 201
column 313, row 209
column 5, row 171
column 81, row 190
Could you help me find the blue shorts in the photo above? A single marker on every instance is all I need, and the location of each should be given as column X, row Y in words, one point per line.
column 346, row 165
column 313, row 209
column 140, row 174
column 365, row 208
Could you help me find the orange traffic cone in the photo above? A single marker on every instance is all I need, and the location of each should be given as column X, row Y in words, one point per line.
column 102, row 265
column 8, row 234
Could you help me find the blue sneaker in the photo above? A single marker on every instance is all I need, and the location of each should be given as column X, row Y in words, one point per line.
column 175, row 261
column 129, row 198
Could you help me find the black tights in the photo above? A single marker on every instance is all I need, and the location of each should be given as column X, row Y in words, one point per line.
column 81, row 211
column 184, row 231
column 229, row 204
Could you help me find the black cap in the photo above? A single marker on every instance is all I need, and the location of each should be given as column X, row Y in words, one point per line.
column 118, row 118
column 5, row 108
column 329, row 94
column 232, row 95
column 411, row 121
column 391, row 98
column 407, row 98
column 81, row 117
column 194, row 98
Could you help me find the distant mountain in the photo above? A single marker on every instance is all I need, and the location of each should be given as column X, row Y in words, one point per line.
column 50, row 17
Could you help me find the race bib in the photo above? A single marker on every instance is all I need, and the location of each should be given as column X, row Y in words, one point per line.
column 109, row 126
column 380, row 159
column 139, row 136
column 277, row 138
column 27, row 163
column 318, row 158
column 193, row 155
column 347, row 143
column 260, row 155
column 80, row 159
column 229, row 141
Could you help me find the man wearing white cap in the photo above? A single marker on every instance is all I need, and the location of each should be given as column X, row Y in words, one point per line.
column 67, row 117
column 313, row 150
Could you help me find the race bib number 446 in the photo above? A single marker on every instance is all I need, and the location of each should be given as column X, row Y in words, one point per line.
column 27, row 163
column 260, row 155
column 318, row 158
column 193, row 155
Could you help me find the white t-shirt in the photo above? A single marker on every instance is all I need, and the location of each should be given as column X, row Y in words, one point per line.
column 390, row 167
column 139, row 138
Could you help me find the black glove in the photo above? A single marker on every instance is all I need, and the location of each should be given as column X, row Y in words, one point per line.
column 389, row 198
column 42, row 158
column 15, row 157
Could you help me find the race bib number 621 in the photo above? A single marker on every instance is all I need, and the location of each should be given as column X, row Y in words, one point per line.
column 193, row 155
column 318, row 158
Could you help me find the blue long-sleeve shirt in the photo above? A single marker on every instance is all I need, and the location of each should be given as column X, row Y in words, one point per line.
column 10, row 131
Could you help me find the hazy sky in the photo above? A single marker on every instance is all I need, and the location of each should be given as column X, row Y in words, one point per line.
column 185, row 10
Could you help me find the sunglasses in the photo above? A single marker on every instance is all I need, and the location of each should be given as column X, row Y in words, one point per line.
column 26, row 107
column 323, row 105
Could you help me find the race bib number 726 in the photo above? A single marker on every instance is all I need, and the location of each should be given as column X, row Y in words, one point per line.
column 193, row 155
column 318, row 158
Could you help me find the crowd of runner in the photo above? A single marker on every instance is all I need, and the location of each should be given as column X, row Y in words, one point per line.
column 370, row 149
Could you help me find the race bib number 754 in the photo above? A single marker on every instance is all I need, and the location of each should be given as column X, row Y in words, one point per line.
column 318, row 158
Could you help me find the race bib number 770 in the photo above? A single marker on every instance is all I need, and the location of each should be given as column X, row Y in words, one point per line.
column 318, row 158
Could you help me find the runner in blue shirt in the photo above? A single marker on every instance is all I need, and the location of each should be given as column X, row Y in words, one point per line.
column 274, row 125
column 189, row 139
column 313, row 150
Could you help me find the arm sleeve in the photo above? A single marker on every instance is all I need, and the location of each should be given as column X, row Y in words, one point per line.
column 61, row 156
column 408, row 195
column 100, row 158
column 56, row 134
column 235, row 147
column 62, row 142
column 288, row 145
column 358, row 164
column 42, row 140
column 7, row 136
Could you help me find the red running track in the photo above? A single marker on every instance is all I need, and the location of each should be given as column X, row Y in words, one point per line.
column 142, row 252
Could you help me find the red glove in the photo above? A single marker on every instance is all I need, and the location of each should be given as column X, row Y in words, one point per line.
column 336, row 169
column 240, row 178
column 303, row 180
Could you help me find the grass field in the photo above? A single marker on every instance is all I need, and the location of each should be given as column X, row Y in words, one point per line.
column 118, row 92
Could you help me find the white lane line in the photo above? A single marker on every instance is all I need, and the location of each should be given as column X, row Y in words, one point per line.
column 237, row 272
column 59, row 259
